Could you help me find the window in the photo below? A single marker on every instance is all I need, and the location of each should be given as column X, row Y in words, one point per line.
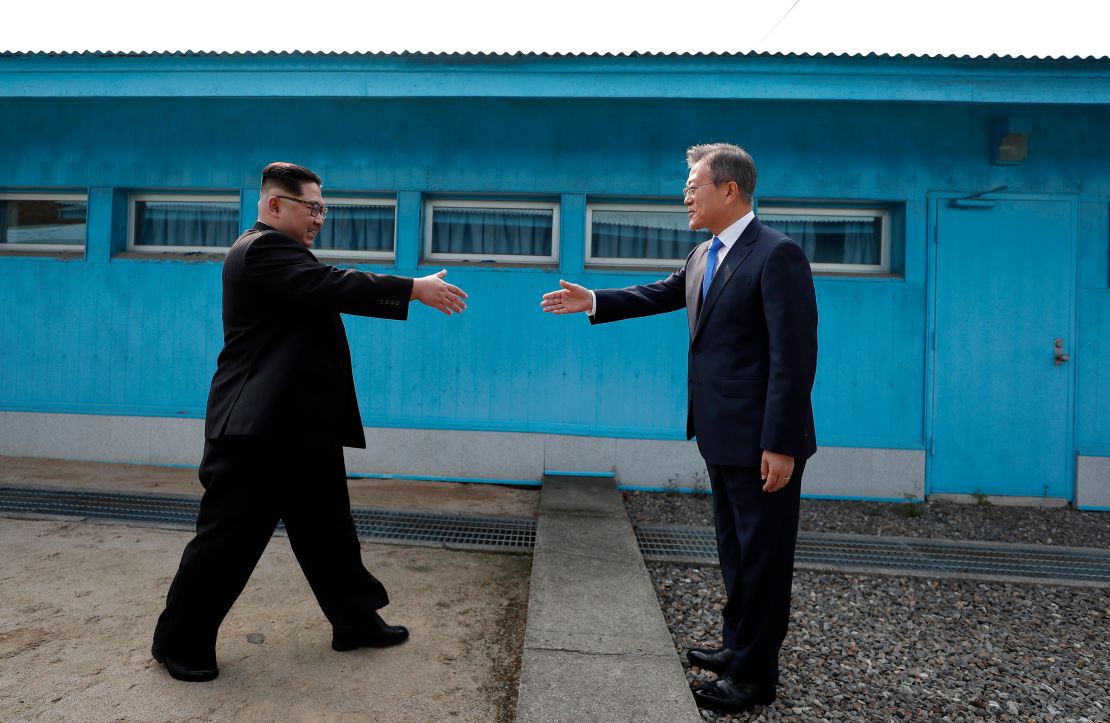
column 639, row 234
column 836, row 239
column 43, row 221
column 164, row 222
column 507, row 231
column 357, row 227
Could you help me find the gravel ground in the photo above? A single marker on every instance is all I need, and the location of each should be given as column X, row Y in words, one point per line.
column 877, row 648
column 944, row 520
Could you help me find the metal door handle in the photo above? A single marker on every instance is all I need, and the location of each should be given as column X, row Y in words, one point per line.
column 1059, row 357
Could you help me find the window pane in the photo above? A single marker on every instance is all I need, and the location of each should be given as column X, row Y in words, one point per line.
column 43, row 222
column 350, row 227
column 642, row 235
column 492, row 231
column 829, row 239
column 186, row 223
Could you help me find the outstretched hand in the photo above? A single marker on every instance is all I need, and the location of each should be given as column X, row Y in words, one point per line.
column 433, row 291
column 571, row 299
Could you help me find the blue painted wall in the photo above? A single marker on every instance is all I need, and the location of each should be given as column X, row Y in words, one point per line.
column 115, row 334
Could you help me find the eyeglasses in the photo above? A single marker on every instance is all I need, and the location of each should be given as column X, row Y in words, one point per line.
column 688, row 191
column 314, row 207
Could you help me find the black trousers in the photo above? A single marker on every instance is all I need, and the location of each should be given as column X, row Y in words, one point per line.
column 757, row 532
column 251, row 483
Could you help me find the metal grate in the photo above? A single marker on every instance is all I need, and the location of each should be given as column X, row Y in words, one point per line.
column 487, row 533
column 657, row 542
column 865, row 553
column 500, row 533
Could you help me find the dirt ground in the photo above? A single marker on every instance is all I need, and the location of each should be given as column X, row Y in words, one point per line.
column 470, row 499
column 78, row 602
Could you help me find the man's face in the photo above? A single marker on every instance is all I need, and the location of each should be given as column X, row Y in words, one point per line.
column 296, row 219
column 705, row 201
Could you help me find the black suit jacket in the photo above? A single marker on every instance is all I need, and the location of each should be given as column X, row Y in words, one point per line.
column 753, row 345
column 285, row 369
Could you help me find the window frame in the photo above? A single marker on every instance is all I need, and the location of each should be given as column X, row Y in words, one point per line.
column 507, row 259
column 780, row 208
column 639, row 263
column 330, row 201
column 136, row 198
column 6, row 247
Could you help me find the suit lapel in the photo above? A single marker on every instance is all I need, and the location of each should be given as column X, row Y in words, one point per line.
column 733, row 259
column 694, row 274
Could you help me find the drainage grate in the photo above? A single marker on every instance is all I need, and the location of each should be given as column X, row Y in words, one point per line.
column 657, row 542
column 503, row 534
column 865, row 553
column 494, row 533
column 168, row 510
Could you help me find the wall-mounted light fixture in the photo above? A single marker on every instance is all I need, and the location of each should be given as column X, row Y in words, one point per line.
column 1010, row 140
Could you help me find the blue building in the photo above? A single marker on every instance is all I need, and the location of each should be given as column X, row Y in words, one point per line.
column 956, row 210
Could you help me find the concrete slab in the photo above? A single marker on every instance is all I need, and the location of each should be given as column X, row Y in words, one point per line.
column 575, row 688
column 659, row 463
column 1092, row 483
column 596, row 646
column 999, row 500
column 577, row 453
column 867, row 473
column 80, row 602
column 177, row 441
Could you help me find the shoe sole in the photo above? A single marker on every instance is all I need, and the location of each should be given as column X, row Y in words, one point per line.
column 343, row 646
column 726, row 708
column 161, row 660
column 718, row 669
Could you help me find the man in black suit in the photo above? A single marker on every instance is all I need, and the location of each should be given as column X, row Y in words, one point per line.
column 752, row 311
column 280, row 410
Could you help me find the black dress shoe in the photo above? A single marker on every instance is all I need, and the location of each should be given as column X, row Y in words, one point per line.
column 724, row 694
column 713, row 659
column 189, row 672
column 376, row 635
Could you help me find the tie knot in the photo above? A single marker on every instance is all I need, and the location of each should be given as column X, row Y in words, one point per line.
column 716, row 245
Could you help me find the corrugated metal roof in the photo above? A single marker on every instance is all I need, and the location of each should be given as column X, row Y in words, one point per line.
column 740, row 75
column 521, row 54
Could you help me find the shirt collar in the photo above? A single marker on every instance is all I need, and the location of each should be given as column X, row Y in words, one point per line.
column 729, row 235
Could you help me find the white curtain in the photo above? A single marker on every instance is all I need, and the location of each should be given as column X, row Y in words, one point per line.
column 833, row 239
column 180, row 223
column 642, row 235
column 357, row 228
column 485, row 231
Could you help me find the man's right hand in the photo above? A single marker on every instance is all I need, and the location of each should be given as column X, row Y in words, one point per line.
column 433, row 291
column 571, row 299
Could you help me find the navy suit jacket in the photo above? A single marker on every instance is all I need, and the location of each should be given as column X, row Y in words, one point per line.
column 753, row 345
column 285, row 369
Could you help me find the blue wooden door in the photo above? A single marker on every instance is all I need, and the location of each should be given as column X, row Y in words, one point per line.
column 1003, row 285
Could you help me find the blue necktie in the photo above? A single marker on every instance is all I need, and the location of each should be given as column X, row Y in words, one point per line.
column 710, row 266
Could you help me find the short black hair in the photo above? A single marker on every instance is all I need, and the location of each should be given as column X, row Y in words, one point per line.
column 289, row 177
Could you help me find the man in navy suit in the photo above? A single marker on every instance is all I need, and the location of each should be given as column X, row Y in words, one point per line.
column 752, row 310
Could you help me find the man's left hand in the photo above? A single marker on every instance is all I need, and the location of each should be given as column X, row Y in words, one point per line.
column 775, row 469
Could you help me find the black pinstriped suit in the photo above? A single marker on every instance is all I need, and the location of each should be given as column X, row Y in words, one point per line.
column 281, row 408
